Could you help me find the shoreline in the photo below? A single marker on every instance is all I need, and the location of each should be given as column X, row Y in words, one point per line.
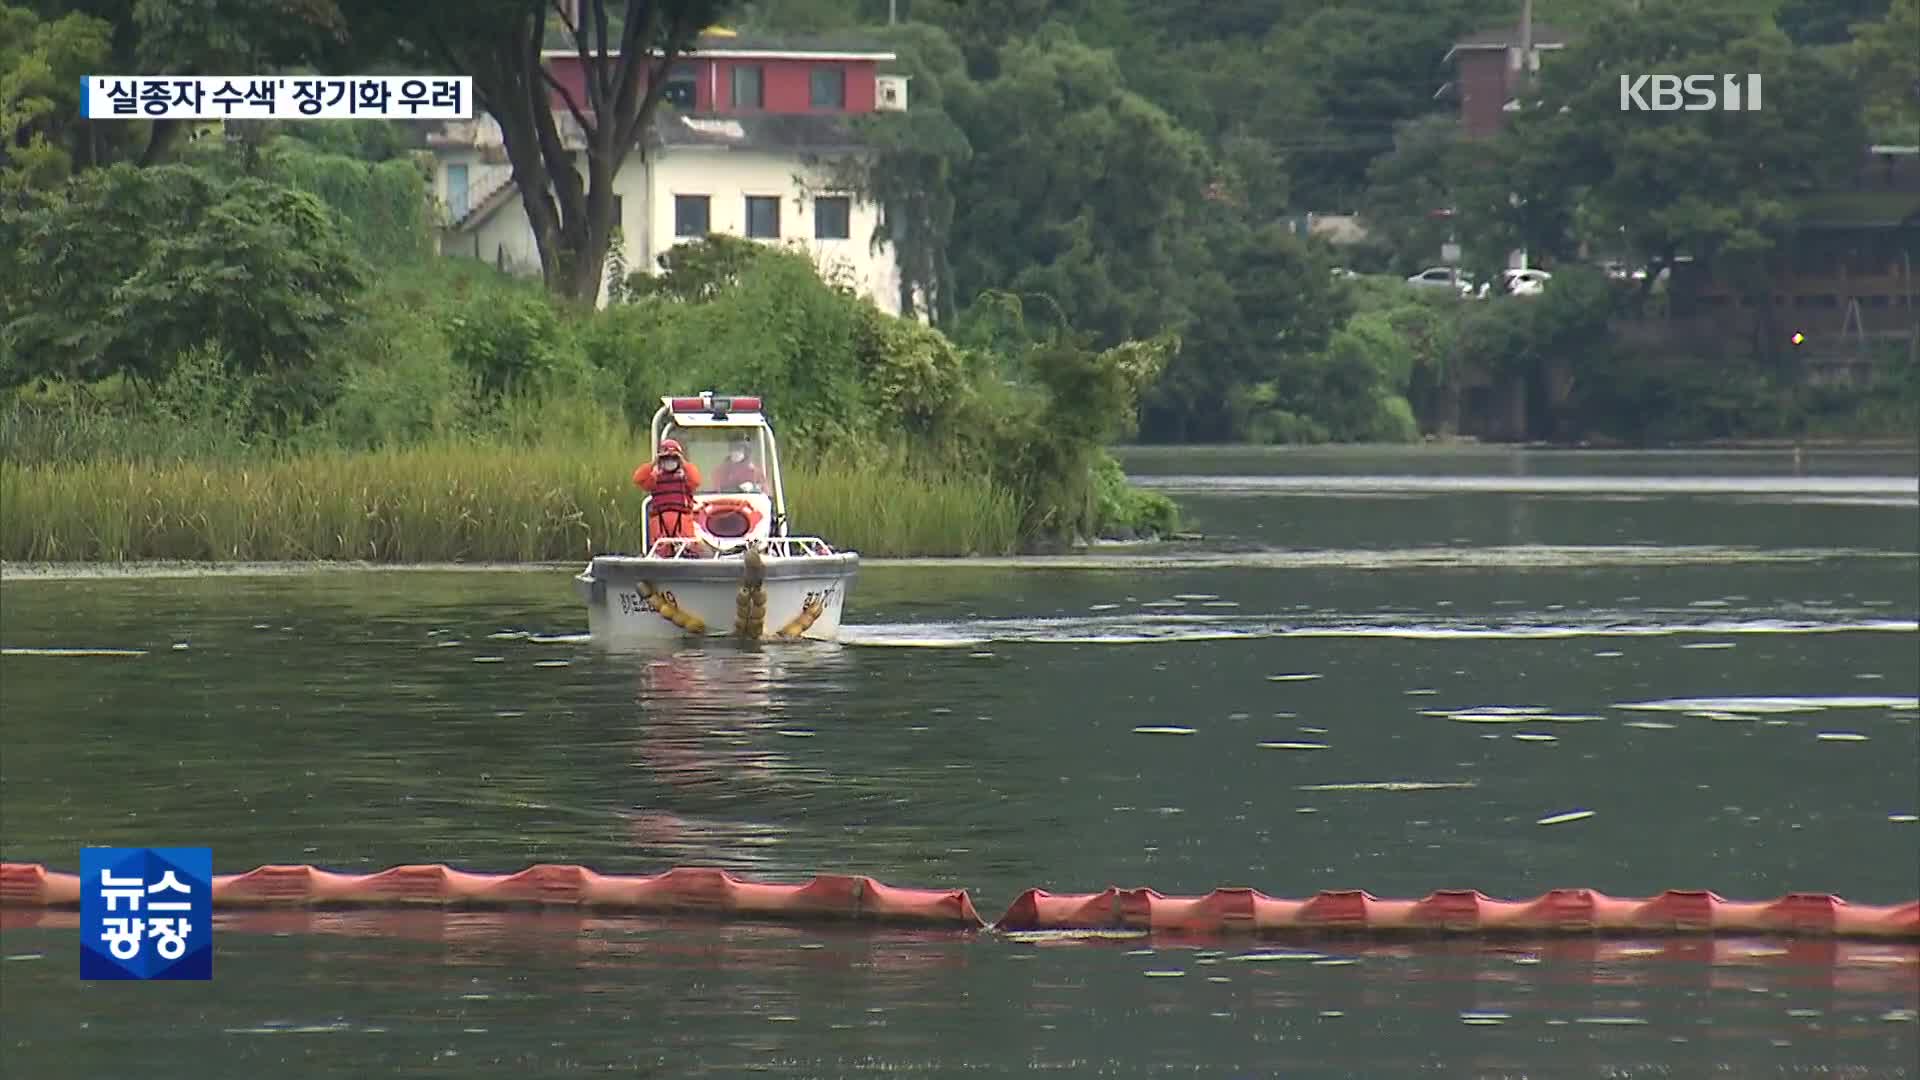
column 1115, row 556
column 1867, row 444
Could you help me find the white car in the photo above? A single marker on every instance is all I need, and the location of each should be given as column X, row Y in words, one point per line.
column 1442, row 277
column 1526, row 282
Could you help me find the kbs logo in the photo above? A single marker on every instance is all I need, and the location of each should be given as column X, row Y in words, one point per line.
column 1694, row 93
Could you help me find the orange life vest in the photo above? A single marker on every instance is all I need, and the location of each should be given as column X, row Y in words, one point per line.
column 671, row 490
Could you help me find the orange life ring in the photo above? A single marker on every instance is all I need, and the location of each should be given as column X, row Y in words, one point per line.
column 728, row 519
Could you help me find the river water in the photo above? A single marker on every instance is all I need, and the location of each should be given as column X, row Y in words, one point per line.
column 1318, row 679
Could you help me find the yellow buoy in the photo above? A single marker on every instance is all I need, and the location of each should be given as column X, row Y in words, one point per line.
column 663, row 603
column 750, row 607
column 809, row 614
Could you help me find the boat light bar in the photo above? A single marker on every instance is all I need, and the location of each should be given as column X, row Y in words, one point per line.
column 718, row 406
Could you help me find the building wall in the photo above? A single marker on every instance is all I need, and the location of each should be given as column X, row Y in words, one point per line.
column 504, row 239
column 646, row 192
column 786, row 83
column 727, row 177
column 1483, row 75
column 483, row 179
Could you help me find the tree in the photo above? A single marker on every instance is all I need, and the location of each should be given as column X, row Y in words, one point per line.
column 1827, row 22
column 95, row 289
column 1249, row 108
column 1718, row 186
column 1078, row 189
column 1260, row 303
column 193, row 37
column 1372, row 67
column 1410, row 189
column 910, row 165
column 1514, row 192
column 1706, row 183
column 625, row 50
column 41, row 64
column 1886, row 60
column 983, row 27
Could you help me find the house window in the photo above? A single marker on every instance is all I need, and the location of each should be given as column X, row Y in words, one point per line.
column 763, row 217
column 680, row 92
column 829, row 88
column 457, row 191
column 832, row 217
column 690, row 215
column 749, row 91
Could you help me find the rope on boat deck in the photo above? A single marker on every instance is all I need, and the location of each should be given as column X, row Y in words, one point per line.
column 750, row 607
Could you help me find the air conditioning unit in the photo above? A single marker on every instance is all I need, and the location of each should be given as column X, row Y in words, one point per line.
column 890, row 92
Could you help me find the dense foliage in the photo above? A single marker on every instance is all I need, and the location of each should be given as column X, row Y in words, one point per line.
column 292, row 314
column 1130, row 167
column 1097, row 202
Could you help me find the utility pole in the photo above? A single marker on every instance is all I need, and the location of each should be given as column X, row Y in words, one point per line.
column 1526, row 80
column 1526, row 44
column 893, row 11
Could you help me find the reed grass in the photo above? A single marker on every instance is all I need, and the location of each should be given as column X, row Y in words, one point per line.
column 452, row 502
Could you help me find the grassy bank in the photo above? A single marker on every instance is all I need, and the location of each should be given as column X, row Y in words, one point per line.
column 342, row 396
column 450, row 502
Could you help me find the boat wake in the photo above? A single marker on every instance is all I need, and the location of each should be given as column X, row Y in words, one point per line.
column 1896, row 490
column 1182, row 627
column 1515, row 556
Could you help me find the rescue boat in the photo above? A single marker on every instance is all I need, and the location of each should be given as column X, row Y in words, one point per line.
column 743, row 573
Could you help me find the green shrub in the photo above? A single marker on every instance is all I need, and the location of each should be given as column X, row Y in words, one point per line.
column 1127, row 512
column 508, row 342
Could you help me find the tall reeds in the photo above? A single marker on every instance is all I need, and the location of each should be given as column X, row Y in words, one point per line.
column 452, row 501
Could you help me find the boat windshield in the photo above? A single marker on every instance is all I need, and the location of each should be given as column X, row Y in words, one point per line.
column 712, row 451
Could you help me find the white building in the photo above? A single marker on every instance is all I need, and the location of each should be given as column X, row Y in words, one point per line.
column 741, row 145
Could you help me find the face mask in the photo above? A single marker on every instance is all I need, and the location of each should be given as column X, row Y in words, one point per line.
column 671, row 464
column 738, row 454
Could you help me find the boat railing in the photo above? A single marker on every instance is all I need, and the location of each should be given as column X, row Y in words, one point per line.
column 779, row 547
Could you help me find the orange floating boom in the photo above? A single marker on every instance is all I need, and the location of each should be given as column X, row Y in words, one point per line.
column 831, row 897
column 686, row 889
column 1462, row 912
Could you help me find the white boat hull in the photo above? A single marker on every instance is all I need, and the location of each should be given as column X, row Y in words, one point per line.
column 635, row 600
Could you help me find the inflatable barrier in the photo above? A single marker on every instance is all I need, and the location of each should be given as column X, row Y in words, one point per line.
column 1462, row 912
column 1856, row 965
column 686, row 889
column 847, row 898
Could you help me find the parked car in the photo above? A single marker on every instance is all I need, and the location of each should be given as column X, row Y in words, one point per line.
column 1442, row 277
column 1522, row 282
column 1526, row 282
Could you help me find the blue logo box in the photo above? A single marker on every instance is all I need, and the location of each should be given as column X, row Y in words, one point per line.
column 146, row 913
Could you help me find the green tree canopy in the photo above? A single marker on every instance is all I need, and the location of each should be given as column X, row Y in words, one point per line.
column 1886, row 61
column 41, row 64
column 625, row 49
column 1410, row 188
column 1708, row 183
column 97, row 290
column 1077, row 189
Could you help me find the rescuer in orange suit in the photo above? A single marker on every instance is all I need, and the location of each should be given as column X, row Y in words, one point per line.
column 739, row 468
column 671, row 480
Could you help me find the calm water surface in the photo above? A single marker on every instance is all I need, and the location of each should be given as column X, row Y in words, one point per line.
column 1678, row 632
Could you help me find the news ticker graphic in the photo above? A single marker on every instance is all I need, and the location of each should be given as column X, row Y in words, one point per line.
column 146, row 913
column 276, row 97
